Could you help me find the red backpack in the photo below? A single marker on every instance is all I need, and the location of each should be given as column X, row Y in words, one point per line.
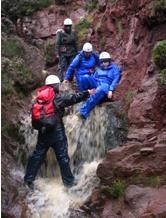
column 43, row 111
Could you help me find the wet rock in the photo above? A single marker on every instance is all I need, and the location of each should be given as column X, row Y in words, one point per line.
column 102, row 5
column 127, row 163
column 146, row 200
column 146, row 151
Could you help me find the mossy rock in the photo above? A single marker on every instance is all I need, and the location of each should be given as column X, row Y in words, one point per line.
column 159, row 54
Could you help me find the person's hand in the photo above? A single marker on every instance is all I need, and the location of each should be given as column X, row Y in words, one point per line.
column 110, row 94
column 91, row 91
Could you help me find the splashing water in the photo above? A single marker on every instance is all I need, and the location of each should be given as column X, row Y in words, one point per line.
column 87, row 142
column 51, row 199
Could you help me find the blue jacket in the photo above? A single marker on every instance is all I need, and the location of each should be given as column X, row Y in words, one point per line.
column 82, row 64
column 110, row 75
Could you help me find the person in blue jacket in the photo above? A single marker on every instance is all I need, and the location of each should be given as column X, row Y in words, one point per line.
column 104, row 81
column 84, row 64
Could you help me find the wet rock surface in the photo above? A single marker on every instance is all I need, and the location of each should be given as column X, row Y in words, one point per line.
column 128, row 30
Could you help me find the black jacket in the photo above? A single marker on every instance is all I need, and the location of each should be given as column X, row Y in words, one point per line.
column 62, row 101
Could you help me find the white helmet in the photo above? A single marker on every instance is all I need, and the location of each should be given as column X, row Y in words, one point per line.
column 68, row 22
column 87, row 47
column 52, row 79
column 104, row 55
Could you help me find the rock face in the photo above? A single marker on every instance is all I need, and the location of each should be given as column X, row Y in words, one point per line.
column 142, row 160
column 128, row 30
column 140, row 202
column 13, row 204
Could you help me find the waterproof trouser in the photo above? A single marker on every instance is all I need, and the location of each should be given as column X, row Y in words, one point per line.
column 55, row 138
column 64, row 62
column 95, row 99
column 85, row 82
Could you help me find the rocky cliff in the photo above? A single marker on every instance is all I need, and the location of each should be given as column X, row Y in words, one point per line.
column 133, row 176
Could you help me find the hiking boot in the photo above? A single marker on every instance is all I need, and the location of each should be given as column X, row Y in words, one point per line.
column 74, row 183
column 29, row 185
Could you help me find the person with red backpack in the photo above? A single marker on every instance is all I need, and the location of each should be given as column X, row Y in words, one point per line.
column 47, row 113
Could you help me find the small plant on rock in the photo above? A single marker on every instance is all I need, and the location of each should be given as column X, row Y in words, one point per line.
column 116, row 190
column 159, row 54
column 49, row 53
column 162, row 77
column 82, row 29
column 92, row 5
column 154, row 181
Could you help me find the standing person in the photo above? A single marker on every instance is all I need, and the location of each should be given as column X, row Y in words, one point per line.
column 104, row 80
column 54, row 136
column 85, row 64
column 65, row 46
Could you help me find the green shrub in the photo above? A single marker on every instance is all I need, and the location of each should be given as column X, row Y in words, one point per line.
column 135, row 179
column 159, row 54
column 160, row 9
column 162, row 77
column 92, row 5
column 49, row 53
column 12, row 47
column 23, row 71
column 154, row 181
column 157, row 15
column 7, row 88
column 9, row 129
column 83, row 24
column 116, row 190
column 7, row 85
column 17, row 9
column 82, row 28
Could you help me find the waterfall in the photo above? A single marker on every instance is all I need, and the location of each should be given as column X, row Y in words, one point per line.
column 87, row 143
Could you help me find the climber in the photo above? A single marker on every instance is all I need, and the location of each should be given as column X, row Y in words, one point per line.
column 65, row 46
column 53, row 136
column 84, row 63
column 104, row 80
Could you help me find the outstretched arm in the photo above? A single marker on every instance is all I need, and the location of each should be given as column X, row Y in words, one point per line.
column 67, row 100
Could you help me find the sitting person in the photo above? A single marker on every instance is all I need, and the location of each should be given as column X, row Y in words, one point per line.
column 85, row 64
column 104, row 80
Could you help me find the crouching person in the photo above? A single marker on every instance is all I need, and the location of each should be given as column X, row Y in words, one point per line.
column 51, row 131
